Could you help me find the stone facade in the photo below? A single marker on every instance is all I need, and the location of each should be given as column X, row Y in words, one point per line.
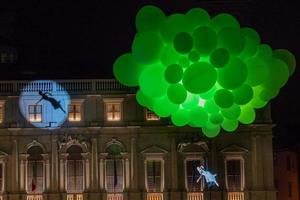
column 138, row 140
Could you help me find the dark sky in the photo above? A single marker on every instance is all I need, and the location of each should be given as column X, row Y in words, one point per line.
column 81, row 39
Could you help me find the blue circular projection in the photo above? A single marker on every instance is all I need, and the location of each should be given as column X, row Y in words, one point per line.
column 44, row 103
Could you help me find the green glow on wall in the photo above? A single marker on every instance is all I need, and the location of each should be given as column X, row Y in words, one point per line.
column 202, row 71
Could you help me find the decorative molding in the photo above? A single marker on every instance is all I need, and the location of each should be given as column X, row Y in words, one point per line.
column 33, row 144
column 186, row 146
column 154, row 150
column 68, row 141
column 114, row 141
column 234, row 149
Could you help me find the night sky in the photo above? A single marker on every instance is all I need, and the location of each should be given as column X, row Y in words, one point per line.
column 81, row 39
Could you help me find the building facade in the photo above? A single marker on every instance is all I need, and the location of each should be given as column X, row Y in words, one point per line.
column 110, row 148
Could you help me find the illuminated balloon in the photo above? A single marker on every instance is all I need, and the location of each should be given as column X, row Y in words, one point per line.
column 202, row 71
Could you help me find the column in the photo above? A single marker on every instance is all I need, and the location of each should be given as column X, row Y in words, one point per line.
column 134, row 165
column 15, row 167
column 63, row 171
column 23, row 172
column 101, row 172
column 4, row 163
column 86, row 162
column 46, row 171
column 54, row 165
column 174, row 165
column 94, row 165
column 127, row 173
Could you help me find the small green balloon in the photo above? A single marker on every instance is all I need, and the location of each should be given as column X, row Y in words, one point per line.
column 287, row 57
column 211, row 107
column 198, row 17
column 152, row 81
column 184, row 62
column 209, row 94
column 257, row 71
column 232, row 39
column 223, row 98
column 205, row 40
column 229, row 125
column 243, row 94
column 216, row 118
column 211, row 130
column 252, row 40
column 251, row 34
column 256, row 101
column 146, row 47
column 199, row 77
column 194, row 56
column 191, row 101
column 144, row 100
column 219, row 57
column 168, row 55
column 268, row 94
column 233, row 75
column 247, row 115
column 181, row 117
column 183, row 42
column 176, row 93
column 149, row 18
column 173, row 73
column 175, row 24
column 199, row 117
column 163, row 107
column 264, row 52
column 127, row 70
column 224, row 20
column 231, row 113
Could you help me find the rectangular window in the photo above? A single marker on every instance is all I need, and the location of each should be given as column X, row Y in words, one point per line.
column 74, row 113
column 1, row 112
column 35, row 177
column 194, row 184
column 113, row 111
column 290, row 189
column 75, row 176
column 114, row 175
column 234, row 175
column 151, row 116
column 35, row 113
column 154, row 176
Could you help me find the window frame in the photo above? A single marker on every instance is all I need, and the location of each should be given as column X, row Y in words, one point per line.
column 76, row 103
column 113, row 101
column 35, row 114
column 2, row 111
column 192, row 158
column 162, row 175
column 150, row 111
column 242, row 169
column 123, row 174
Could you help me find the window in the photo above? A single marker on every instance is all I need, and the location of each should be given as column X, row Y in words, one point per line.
column 154, row 178
column 75, row 170
column 35, row 176
column 74, row 112
column 113, row 111
column 1, row 112
column 35, row 113
column 234, row 174
column 192, row 176
column 114, row 175
column 151, row 116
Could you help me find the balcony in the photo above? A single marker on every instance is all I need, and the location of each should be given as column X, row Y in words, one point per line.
column 195, row 196
column 74, row 197
column 115, row 196
column 235, row 196
column 155, row 196
column 33, row 197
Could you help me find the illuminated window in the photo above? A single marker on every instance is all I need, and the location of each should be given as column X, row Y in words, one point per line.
column 1, row 112
column 154, row 175
column 151, row 116
column 75, row 170
column 113, row 111
column 35, row 113
column 114, row 175
column 74, row 112
column 35, row 170
column 192, row 176
column 234, row 174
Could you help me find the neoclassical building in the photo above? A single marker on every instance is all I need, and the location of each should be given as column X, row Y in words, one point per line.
column 110, row 148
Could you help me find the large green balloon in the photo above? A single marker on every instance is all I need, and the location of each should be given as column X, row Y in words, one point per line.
column 216, row 118
column 149, row 18
column 252, row 40
column 243, row 94
column 233, row 75
column 163, row 107
column 168, row 55
column 211, row 130
column 232, row 113
column 176, row 93
column 199, row 117
column 247, row 115
column 211, row 107
column 152, row 81
column 257, row 71
column 229, row 125
column 181, row 117
column 224, row 20
column 144, row 100
column 287, row 57
column 191, row 101
column 199, row 77
column 223, row 98
column 194, row 56
column 198, row 17
column 219, row 58
column 173, row 73
column 232, row 39
column 183, row 42
column 123, row 65
column 146, row 47
column 205, row 40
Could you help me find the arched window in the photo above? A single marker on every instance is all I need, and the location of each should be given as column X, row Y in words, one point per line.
column 75, row 181
column 114, row 171
column 35, row 170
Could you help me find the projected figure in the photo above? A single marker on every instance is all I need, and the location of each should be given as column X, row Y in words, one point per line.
column 210, row 178
column 54, row 102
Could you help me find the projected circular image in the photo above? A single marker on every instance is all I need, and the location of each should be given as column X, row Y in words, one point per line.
column 44, row 103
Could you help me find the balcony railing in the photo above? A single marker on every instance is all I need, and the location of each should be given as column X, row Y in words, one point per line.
column 235, row 196
column 89, row 86
column 116, row 196
column 195, row 196
column 155, row 196
column 74, row 197
column 34, row 197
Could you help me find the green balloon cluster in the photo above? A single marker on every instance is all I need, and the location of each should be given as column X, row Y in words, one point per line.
column 203, row 71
